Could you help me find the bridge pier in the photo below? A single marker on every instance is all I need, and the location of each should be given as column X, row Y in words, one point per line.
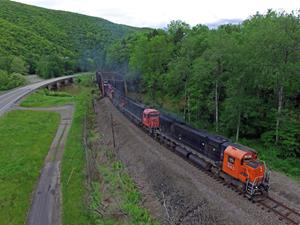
column 59, row 84
column 68, row 81
column 52, row 87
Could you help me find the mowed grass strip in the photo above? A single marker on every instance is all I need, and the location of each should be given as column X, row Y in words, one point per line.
column 25, row 138
column 73, row 176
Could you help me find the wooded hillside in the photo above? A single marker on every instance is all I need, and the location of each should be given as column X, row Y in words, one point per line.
column 242, row 81
column 52, row 43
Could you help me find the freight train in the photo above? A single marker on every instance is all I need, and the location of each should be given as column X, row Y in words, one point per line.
column 238, row 165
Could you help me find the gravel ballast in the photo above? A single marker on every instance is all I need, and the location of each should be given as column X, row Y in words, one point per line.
column 176, row 192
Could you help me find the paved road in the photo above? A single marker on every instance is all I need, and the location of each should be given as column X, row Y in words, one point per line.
column 8, row 99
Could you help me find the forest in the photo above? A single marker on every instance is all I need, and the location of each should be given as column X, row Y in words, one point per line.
column 242, row 81
column 51, row 43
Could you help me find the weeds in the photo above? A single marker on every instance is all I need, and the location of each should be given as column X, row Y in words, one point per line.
column 115, row 198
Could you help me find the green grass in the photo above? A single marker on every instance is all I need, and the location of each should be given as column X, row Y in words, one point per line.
column 111, row 186
column 73, row 163
column 75, row 196
column 120, row 185
column 25, row 140
column 73, row 166
column 44, row 98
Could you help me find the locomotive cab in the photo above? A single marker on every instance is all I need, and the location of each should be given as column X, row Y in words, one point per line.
column 241, row 163
column 151, row 118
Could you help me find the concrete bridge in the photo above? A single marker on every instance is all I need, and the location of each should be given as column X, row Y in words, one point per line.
column 60, row 83
column 8, row 99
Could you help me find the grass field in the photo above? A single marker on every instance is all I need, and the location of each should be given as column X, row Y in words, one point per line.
column 73, row 164
column 76, row 201
column 44, row 98
column 25, row 138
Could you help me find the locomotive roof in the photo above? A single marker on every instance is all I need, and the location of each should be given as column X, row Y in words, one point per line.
column 243, row 147
column 186, row 127
column 150, row 111
column 218, row 138
column 236, row 152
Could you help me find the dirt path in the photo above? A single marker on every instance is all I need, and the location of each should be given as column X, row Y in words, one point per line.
column 175, row 191
column 45, row 207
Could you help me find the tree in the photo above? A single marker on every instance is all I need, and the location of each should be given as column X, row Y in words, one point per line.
column 50, row 66
column 5, row 63
column 275, row 39
column 216, row 53
column 178, row 29
column 18, row 65
column 9, row 81
column 151, row 58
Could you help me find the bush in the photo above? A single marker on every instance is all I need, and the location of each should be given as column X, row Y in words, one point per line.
column 57, row 93
column 50, row 66
column 9, row 81
column 289, row 143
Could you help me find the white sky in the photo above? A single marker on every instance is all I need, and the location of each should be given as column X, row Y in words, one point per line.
column 158, row 13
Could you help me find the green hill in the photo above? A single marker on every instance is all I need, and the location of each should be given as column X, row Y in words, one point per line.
column 53, row 42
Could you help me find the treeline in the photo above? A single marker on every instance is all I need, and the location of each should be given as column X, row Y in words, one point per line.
column 12, row 69
column 53, row 43
column 242, row 81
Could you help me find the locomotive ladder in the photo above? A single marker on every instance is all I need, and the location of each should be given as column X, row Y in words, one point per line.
column 250, row 188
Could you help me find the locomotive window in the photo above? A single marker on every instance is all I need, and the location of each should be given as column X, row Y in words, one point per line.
column 231, row 159
column 153, row 115
column 246, row 160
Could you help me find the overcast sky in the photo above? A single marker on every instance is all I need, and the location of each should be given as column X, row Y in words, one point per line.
column 158, row 13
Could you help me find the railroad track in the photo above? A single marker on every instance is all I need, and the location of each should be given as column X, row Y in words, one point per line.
column 284, row 213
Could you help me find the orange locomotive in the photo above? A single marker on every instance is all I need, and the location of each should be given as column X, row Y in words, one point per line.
column 240, row 163
column 151, row 118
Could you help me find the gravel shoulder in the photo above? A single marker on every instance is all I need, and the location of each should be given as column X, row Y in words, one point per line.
column 46, row 204
column 176, row 192
column 285, row 189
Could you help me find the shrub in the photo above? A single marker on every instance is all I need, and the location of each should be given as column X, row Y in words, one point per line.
column 9, row 81
column 57, row 93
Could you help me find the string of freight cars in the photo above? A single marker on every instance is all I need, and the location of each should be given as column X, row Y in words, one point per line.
column 235, row 165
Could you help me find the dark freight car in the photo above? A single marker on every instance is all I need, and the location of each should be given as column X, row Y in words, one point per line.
column 193, row 138
column 215, row 147
column 133, row 110
column 165, row 124
column 211, row 146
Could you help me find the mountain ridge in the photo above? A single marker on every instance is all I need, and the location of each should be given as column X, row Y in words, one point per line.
column 33, row 33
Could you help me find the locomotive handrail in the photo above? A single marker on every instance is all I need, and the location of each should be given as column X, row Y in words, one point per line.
column 267, row 172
